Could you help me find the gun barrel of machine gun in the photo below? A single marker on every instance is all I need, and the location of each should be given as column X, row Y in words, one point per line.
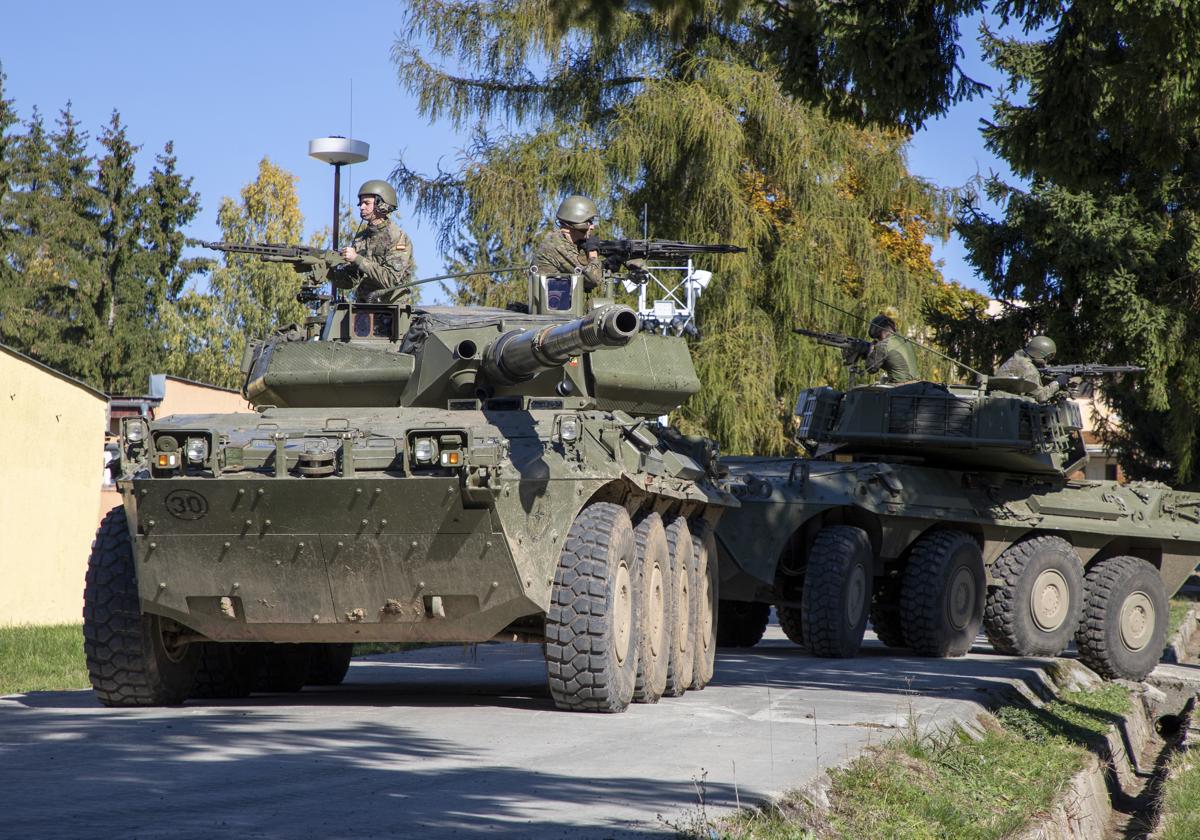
column 617, row 252
column 1088, row 371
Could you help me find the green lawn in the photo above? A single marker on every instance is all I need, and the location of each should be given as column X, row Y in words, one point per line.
column 949, row 784
column 41, row 659
column 1180, row 799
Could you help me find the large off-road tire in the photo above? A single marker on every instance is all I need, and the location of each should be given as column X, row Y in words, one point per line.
column 885, row 612
column 133, row 659
column 680, row 608
column 279, row 668
column 591, row 627
column 708, row 594
column 791, row 622
column 837, row 591
column 1033, row 608
column 1124, row 624
column 328, row 663
column 224, row 671
column 654, row 650
column 942, row 594
column 741, row 624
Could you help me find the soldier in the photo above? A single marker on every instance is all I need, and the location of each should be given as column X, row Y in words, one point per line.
column 565, row 250
column 1027, row 363
column 891, row 353
column 380, row 257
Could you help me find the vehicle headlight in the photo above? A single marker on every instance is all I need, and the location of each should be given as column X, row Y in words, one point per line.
column 135, row 431
column 424, row 450
column 197, row 450
column 568, row 429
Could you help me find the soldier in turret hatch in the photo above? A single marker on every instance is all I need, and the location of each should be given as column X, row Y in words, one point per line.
column 1027, row 364
column 570, row 247
column 380, row 257
column 892, row 353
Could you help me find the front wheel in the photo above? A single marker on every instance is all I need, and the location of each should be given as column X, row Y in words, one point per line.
column 1124, row 624
column 133, row 659
column 591, row 627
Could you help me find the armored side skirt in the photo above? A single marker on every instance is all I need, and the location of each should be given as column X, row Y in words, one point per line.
column 394, row 560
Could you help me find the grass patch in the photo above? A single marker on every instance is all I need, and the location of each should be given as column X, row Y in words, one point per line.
column 950, row 784
column 42, row 659
column 1179, row 802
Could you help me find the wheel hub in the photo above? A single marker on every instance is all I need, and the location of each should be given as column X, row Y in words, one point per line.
column 655, row 626
column 1137, row 621
column 681, row 613
column 1050, row 600
column 856, row 595
column 622, row 612
column 170, row 636
column 706, row 612
column 960, row 602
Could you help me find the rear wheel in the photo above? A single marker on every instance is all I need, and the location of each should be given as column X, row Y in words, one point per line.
column 328, row 663
column 133, row 659
column 837, row 588
column 278, row 668
column 1124, row 624
column 222, row 671
column 704, row 644
column 741, row 624
column 591, row 638
column 654, row 630
column 942, row 594
column 680, row 662
column 1034, row 608
column 791, row 622
column 885, row 612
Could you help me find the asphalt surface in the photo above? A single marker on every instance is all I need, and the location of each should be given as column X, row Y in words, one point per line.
column 465, row 742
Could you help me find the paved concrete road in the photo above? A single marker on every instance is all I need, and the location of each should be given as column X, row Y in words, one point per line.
column 454, row 742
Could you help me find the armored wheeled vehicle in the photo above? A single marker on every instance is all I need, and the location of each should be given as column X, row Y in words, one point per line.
column 419, row 474
column 934, row 509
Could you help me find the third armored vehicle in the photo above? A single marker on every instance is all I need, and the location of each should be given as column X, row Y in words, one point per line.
column 934, row 509
column 419, row 474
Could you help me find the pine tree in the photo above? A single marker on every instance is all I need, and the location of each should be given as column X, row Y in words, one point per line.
column 247, row 297
column 696, row 130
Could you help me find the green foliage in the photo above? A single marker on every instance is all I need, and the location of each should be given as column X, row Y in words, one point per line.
column 1102, row 115
column 696, row 130
column 94, row 264
column 247, row 297
column 1179, row 802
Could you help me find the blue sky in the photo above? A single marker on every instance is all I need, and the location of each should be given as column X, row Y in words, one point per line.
column 231, row 82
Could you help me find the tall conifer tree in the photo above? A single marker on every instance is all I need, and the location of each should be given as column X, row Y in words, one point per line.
column 697, row 131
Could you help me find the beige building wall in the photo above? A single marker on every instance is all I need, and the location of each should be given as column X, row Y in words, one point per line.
column 49, row 492
column 182, row 396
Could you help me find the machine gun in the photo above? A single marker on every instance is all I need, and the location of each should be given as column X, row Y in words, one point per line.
column 1088, row 371
column 852, row 349
column 302, row 257
column 618, row 252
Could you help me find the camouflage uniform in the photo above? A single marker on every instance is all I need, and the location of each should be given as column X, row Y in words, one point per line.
column 385, row 260
column 894, row 355
column 1020, row 366
column 557, row 254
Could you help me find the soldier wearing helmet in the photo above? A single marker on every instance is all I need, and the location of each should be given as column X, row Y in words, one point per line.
column 380, row 257
column 1027, row 364
column 567, row 249
column 892, row 353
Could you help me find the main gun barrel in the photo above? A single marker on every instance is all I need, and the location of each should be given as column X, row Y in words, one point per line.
column 519, row 355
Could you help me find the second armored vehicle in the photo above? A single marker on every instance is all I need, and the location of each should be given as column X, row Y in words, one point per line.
column 936, row 509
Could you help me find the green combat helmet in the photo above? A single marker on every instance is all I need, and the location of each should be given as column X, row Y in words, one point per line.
column 1041, row 348
column 576, row 211
column 383, row 191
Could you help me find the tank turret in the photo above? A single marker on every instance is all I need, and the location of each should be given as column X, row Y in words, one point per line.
column 518, row 355
column 955, row 426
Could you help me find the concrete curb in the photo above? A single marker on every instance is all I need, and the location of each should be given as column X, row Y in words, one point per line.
column 1176, row 650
